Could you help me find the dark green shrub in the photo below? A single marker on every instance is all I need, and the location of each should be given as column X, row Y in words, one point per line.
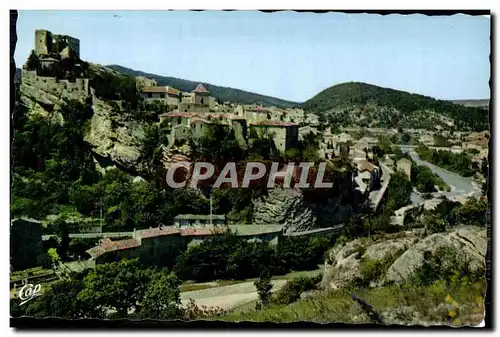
column 292, row 290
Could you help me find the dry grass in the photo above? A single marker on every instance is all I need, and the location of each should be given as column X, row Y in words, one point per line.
column 459, row 304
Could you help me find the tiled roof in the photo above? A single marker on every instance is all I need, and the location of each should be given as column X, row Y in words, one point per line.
column 106, row 245
column 199, row 120
column 364, row 165
column 200, row 89
column 126, row 244
column 168, row 90
column 275, row 123
column 215, row 115
column 154, row 232
column 200, row 231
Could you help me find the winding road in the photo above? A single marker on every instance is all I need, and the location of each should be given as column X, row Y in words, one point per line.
column 460, row 186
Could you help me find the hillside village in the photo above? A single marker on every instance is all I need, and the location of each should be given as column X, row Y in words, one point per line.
column 364, row 159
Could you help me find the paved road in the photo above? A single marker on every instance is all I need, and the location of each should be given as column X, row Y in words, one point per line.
column 460, row 186
column 227, row 297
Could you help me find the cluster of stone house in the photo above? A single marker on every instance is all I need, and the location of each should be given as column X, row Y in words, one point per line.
column 195, row 112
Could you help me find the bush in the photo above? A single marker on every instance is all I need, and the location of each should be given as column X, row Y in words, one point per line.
column 264, row 286
column 292, row 290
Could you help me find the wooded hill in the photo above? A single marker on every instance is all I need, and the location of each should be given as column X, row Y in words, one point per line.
column 221, row 93
column 396, row 108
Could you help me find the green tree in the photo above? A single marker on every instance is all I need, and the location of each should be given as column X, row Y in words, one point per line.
column 472, row 213
column 162, row 298
column 264, row 287
column 119, row 286
column 406, row 138
column 58, row 300
column 54, row 257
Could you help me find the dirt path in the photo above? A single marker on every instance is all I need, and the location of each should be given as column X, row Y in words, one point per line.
column 227, row 297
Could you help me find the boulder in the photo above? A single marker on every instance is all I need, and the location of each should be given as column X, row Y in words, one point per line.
column 342, row 267
column 470, row 243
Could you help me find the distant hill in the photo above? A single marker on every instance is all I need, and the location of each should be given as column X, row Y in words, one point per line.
column 221, row 93
column 480, row 103
column 363, row 104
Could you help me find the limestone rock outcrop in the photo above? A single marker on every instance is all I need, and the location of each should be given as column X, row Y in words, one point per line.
column 402, row 254
column 292, row 209
column 470, row 243
column 115, row 137
column 286, row 207
column 343, row 264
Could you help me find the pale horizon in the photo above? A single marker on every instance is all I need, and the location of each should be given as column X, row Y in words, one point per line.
column 287, row 55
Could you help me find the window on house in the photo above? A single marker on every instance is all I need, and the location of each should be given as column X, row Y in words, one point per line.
column 150, row 95
column 188, row 108
column 162, row 95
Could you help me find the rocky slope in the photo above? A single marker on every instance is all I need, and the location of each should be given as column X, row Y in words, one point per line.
column 286, row 207
column 397, row 258
column 114, row 135
column 290, row 208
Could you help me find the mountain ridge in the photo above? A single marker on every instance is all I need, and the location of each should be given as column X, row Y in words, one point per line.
column 220, row 92
column 368, row 101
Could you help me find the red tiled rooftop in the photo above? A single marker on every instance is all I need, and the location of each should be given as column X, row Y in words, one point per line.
column 198, row 120
column 126, row 244
column 275, row 123
column 200, row 89
column 154, row 232
column 199, row 231
column 107, row 245
column 216, row 115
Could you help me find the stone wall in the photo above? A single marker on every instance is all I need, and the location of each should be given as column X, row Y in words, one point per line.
column 61, row 89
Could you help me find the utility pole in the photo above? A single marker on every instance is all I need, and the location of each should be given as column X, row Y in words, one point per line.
column 101, row 215
column 210, row 208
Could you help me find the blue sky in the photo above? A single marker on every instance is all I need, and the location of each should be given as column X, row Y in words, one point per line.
column 286, row 54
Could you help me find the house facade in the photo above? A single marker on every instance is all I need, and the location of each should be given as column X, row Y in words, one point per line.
column 285, row 135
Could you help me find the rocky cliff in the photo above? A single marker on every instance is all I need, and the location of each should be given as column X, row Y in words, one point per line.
column 285, row 207
column 113, row 133
column 301, row 210
column 399, row 257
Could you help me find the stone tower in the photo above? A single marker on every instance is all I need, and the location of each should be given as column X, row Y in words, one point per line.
column 43, row 42
column 47, row 43
column 201, row 95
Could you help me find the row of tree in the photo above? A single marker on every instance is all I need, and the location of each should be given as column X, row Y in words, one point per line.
column 233, row 257
column 460, row 163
